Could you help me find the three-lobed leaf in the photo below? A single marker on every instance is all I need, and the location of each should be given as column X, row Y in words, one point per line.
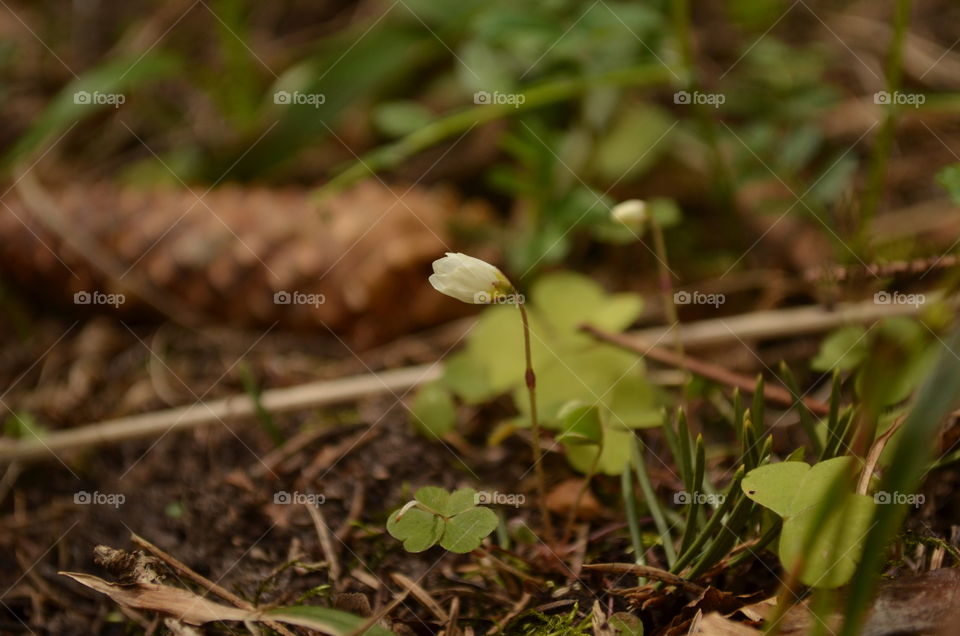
column 451, row 519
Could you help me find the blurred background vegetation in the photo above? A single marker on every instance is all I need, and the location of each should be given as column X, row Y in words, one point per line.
column 795, row 132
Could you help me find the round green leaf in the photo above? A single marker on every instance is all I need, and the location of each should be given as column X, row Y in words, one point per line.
column 465, row 531
column 418, row 529
column 433, row 411
column 580, row 424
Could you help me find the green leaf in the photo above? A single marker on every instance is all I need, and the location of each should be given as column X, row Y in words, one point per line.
column 614, row 454
column 829, row 547
column 633, row 403
column 418, row 529
column 468, row 377
column 949, row 179
column 832, row 557
column 323, row 619
column 465, row 531
column 452, row 519
column 773, row 486
column 844, row 349
column 433, row 410
column 566, row 299
column 626, row 624
column 433, row 498
column 460, row 501
column 118, row 76
column 634, row 143
column 580, row 424
column 401, row 117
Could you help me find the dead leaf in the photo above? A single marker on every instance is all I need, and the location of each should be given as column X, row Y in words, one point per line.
column 562, row 497
column 186, row 606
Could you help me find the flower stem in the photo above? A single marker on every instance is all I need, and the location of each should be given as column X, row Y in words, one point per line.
column 666, row 285
column 531, row 381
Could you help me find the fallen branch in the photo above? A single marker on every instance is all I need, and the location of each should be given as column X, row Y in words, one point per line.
column 716, row 373
column 297, row 398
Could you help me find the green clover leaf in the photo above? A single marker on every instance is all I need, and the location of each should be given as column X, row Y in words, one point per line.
column 829, row 547
column 436, row 516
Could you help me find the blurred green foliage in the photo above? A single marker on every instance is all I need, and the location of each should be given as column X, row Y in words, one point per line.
column 571, row 369
column 386, row 77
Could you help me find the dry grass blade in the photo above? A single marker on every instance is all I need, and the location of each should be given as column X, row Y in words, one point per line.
column 421, row 595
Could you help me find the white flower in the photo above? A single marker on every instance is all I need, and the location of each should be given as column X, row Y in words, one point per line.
column 632, row 213
column 469, row 279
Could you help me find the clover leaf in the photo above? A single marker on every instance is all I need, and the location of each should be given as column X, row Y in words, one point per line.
column 829, row 546
column 436, row 516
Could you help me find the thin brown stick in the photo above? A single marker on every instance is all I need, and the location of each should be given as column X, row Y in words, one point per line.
column 182, row 568
column 326, row 543
column 648, row 572
column 882, row 270
column 716, row 373
column 421, row 595
column 874, row 456
column 304, row 396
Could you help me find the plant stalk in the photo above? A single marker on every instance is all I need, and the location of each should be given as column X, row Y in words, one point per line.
column 531, row 381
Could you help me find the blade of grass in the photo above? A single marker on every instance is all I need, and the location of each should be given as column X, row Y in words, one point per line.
column 935, row 400
column 713, row 524
column 695, row 496
column 630, row 507
column 806, row 417
column 460, row 122
column 652, row 502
